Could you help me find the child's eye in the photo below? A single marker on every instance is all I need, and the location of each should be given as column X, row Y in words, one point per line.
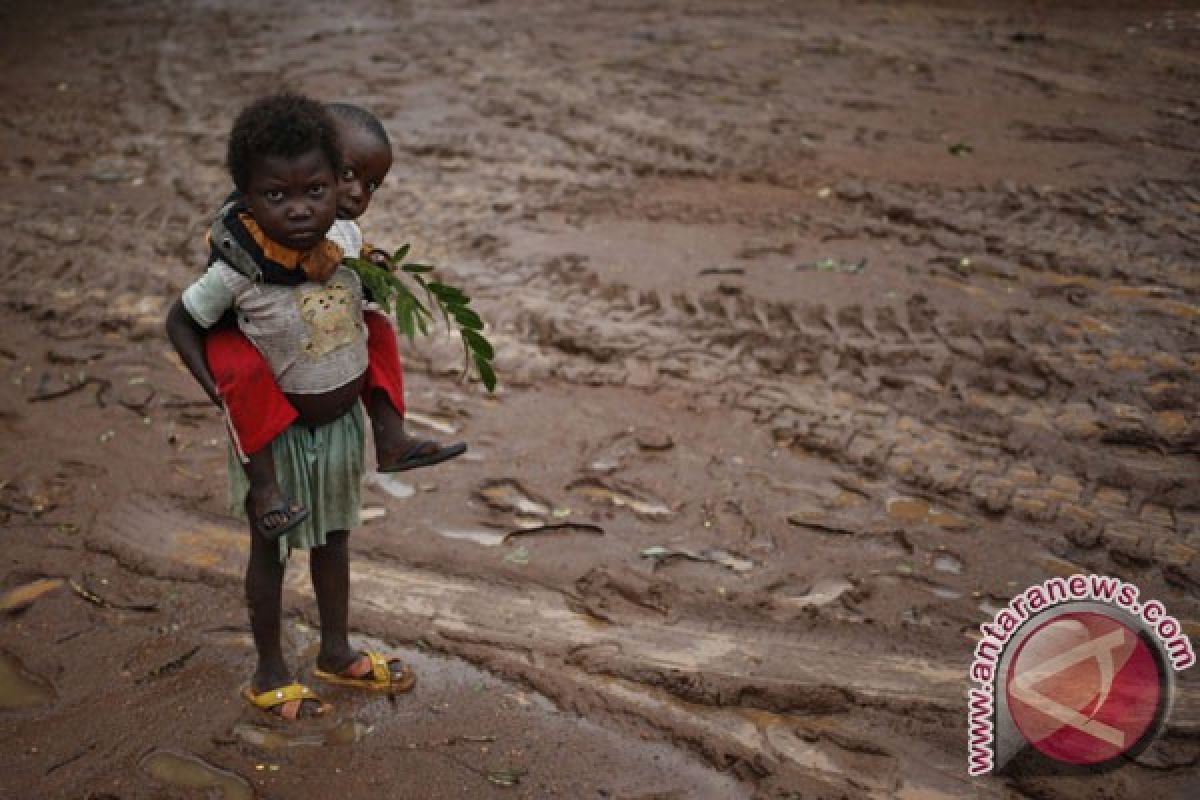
column 274, row 195
column 348, row 174
column 316, row 190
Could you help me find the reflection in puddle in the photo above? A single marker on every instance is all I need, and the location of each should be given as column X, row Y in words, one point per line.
column 20, row 688
column 346, row 732
column 485, row 538
column 189, row 772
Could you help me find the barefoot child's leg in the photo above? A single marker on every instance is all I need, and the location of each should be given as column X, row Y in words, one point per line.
column 383, row 396
column 258, row 412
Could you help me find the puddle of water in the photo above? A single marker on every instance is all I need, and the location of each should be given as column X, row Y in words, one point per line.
column 991, row 606
column 621, row 499
column 23, row 596
column 914, row 509
column 508, row 495
column 518, row 556
column 391, row 485
column 346, row 732
column 605, row 465
column 485, row 538
column 823, row 593
column 729, row 560
column 528, row 521
column 948, row 562
column 185, row 771
column 945, row 592
column 845, row 499
column 722, row 558
column 371, row 513
column 948, row 521
column 907, row 509
column 20, row 688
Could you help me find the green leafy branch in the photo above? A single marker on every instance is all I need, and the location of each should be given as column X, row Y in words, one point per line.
column 393, row 294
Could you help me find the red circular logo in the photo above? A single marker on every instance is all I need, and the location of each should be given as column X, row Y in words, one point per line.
column 1084, row 688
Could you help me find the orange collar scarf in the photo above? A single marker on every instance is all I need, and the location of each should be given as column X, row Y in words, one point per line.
column 317, row 264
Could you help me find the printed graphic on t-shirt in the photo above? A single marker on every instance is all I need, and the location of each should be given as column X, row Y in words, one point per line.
column 329, row 319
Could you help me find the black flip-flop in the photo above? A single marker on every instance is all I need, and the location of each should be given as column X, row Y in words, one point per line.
column 410, row 459
column 292, row 518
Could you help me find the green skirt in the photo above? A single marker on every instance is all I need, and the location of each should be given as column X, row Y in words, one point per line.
column 320, row 468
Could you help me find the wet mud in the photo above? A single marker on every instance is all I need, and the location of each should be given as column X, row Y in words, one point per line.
column 822, row 331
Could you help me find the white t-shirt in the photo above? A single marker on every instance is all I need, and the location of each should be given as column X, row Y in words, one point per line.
column 312, row 335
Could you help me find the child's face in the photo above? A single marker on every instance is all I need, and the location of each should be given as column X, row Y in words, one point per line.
column 365, row 163
column 293, row 200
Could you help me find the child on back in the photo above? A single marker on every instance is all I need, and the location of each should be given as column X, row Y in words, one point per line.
column 284, row 158
column 256, row 410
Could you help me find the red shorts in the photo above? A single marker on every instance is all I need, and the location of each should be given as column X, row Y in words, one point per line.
column 258, row 409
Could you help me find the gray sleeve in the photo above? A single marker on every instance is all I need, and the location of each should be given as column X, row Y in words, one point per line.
column 209, row 297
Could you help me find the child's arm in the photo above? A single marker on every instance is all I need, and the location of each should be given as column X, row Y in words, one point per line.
column 188, row 338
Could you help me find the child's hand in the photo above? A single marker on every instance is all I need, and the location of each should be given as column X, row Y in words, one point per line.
column 380, row 259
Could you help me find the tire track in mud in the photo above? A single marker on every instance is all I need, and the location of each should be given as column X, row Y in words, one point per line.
column 1000, row 419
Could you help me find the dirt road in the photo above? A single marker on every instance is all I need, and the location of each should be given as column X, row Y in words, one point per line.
column 822, row 330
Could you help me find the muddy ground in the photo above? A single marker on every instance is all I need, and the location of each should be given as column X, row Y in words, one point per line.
column 822, row 328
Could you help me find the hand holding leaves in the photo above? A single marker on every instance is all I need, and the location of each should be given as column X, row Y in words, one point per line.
column 393, row 294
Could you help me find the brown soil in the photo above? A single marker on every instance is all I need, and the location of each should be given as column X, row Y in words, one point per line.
column 867, row 315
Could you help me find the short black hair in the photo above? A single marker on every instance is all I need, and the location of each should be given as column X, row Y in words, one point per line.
column 362, row 119
column 284, row 125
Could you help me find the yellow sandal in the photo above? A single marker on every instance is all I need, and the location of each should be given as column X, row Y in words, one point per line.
column 378, row 679
column 286, row 701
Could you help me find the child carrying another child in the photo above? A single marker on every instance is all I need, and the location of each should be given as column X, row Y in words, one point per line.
column 284, row 157
column 256, row 410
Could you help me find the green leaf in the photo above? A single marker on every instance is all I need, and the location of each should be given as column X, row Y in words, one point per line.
column 448, row 294
column 479, row 345
column 394, row 294
column 486, row 373
column 467, row 318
